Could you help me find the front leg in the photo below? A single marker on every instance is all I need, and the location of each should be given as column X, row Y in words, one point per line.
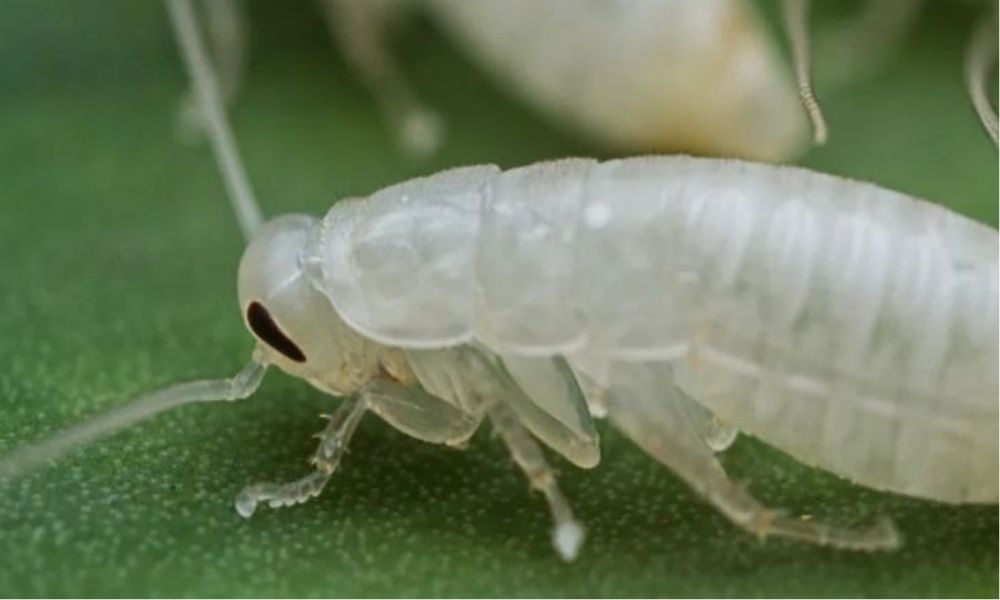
column 408, row 408
column 333, row 441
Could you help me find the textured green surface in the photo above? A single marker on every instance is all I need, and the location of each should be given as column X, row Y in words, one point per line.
column 117, row 273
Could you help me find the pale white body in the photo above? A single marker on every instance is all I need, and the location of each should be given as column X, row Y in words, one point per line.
column 700, row 76
column 852, row 326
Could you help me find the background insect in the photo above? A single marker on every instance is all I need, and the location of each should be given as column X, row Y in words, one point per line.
column 630, row 75
column 144, row 341
column 634, row 75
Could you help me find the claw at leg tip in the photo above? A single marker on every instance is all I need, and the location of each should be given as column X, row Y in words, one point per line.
column 567, row 539
column 421, row 133
column 245, row 505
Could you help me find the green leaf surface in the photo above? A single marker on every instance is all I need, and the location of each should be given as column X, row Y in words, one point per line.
column 117, row 275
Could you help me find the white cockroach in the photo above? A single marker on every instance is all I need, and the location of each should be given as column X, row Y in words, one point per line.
column 640, row 75
column 849, row 325
column 632, row 75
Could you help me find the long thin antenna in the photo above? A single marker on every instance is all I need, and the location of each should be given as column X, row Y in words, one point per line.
column 979, row 58
column 796, row 15
column 206, row 91
column 31, row 456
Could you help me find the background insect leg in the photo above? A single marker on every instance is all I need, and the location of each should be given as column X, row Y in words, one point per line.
column 333, row 441
column 641, row 406
column 226, row 26
column 205, row 91
column 979, row 58
column 568, row 534
column 359, row 30
column 796, row 15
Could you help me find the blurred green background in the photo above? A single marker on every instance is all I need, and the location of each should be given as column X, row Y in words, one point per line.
column 117, row 275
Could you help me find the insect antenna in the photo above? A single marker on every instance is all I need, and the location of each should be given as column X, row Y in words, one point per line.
column 796, row 17
column 208, row 99
column 241, row 385
column 225, row 28
column 31, row 456
column 979, row 59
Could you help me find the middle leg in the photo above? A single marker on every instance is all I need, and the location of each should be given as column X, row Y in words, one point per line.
column 567, row 537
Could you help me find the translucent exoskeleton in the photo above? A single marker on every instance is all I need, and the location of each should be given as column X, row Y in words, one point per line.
column 682, row 298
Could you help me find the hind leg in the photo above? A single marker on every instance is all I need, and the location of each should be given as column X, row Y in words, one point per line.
column 641, row 405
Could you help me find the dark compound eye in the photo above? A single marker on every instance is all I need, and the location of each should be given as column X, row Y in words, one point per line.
column 266, row 329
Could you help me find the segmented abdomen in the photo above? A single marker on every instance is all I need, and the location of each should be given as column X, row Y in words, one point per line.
column 852, row 326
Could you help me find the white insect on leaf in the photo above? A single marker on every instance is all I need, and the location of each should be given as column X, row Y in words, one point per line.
column 632, row 75
column 684, row 298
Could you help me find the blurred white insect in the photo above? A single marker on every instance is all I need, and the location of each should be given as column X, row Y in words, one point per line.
column 633, row 75
column 639, row 75
column 685, row 299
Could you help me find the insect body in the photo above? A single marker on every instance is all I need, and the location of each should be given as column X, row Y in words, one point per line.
column 629, row 74
column 632, row 74
column 640, row 74
column 854, row 327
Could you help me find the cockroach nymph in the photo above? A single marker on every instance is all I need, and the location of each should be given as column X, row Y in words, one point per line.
column 683, row 298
